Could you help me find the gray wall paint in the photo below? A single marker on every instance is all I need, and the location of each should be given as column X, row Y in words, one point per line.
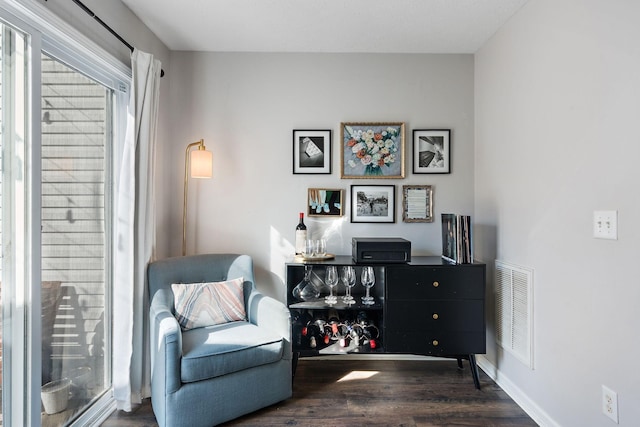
column 556, row 104
column 245, row 106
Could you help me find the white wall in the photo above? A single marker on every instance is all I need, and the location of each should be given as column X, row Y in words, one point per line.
column 557, row 104
column 246, row 105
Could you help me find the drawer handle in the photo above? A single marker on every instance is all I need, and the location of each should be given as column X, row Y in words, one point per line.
column 435, row 316
column 436, row 284
column 435, row 343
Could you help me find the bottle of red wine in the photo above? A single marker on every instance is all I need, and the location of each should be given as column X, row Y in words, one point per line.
column 301, row 234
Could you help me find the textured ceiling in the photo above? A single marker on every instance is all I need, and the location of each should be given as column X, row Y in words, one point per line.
column 378, row 26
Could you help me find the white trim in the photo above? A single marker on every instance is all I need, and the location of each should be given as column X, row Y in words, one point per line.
column 529, row 406
column 101, row 410
column 50, row 24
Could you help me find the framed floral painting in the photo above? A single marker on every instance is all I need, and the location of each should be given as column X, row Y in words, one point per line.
column 372, row 150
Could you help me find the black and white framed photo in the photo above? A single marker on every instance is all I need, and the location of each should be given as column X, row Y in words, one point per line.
column 417, row 203
column 373, row 203
column 432, row 151
column 311, row 151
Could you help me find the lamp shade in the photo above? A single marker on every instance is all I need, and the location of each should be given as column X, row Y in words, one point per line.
column 201, row 164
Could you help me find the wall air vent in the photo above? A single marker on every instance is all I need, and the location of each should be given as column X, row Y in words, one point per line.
column 514, row 310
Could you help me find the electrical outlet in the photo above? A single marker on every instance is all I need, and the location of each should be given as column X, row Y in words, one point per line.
column 605, row 225
column 610, row 403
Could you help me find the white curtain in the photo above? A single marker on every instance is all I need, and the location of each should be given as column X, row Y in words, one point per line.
column 135, row 236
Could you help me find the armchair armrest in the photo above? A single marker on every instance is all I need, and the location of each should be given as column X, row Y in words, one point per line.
column 166, row 349
column 271, row 314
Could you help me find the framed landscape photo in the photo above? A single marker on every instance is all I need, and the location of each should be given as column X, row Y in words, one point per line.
column 373, row 203
column 417, row 203
column 372, row 150
column 325, row 202
column 432, row 151
column 311, row 151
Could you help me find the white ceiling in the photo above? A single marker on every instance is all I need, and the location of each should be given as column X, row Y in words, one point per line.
column 377, row 26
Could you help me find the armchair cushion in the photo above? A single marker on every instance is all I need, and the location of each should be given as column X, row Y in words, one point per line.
column 206, row 304
column 214, row 351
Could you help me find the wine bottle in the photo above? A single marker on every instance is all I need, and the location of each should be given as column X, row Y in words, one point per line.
column 301, row 234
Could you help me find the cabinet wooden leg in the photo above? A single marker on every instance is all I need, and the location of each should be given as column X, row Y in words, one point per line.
column 459, row 363
column 474, row 370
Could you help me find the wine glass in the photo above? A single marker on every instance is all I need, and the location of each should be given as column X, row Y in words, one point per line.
column 349, row 280
column 368, row 280
column 331, row 279
column 309, row 249
column 321, row 247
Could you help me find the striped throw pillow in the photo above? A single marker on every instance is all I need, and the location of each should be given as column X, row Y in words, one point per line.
column 207, row 304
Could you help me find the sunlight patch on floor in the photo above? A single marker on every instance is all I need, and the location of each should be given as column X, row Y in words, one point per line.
column 358, row 375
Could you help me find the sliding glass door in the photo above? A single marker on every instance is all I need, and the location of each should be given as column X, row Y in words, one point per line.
column 76, row 125
column 58, row 141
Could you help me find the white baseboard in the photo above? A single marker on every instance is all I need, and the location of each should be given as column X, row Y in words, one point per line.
column 529, row 406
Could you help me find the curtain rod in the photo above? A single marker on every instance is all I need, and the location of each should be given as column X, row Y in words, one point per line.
column 107, row 27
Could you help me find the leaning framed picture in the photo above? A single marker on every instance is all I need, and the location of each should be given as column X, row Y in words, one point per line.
column 325, row 202
column 311, row 151
column 372, row 150
column 417, row 203
column 373, row 203
column 432, row 151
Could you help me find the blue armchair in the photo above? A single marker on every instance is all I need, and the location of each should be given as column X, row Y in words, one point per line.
column 209, row 375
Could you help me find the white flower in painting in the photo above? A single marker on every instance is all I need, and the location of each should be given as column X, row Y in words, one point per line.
column 351, row 163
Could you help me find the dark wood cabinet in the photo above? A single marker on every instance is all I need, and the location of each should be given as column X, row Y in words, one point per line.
column 427, row 307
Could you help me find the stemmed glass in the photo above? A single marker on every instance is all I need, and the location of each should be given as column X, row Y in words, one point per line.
column 331, row 279
column 368, row 280
column 349, row 280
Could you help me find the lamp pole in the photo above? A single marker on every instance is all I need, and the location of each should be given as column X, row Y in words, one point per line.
column 204, row 157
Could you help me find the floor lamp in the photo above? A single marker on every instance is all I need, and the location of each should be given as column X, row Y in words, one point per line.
column 200, row 163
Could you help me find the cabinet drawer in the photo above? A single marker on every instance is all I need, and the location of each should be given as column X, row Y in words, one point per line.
column 442, row 282
column 447, row 315
column 434, row 343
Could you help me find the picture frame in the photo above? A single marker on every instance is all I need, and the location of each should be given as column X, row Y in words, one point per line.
column 325, row 202
column 373, row 203
column 372, row 150
column 431, row 151
column 311, row 151
column 417, row 203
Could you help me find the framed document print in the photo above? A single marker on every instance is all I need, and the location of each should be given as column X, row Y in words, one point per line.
column 417, row 203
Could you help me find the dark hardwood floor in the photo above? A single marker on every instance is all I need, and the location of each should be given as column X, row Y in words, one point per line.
column 354, row 392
